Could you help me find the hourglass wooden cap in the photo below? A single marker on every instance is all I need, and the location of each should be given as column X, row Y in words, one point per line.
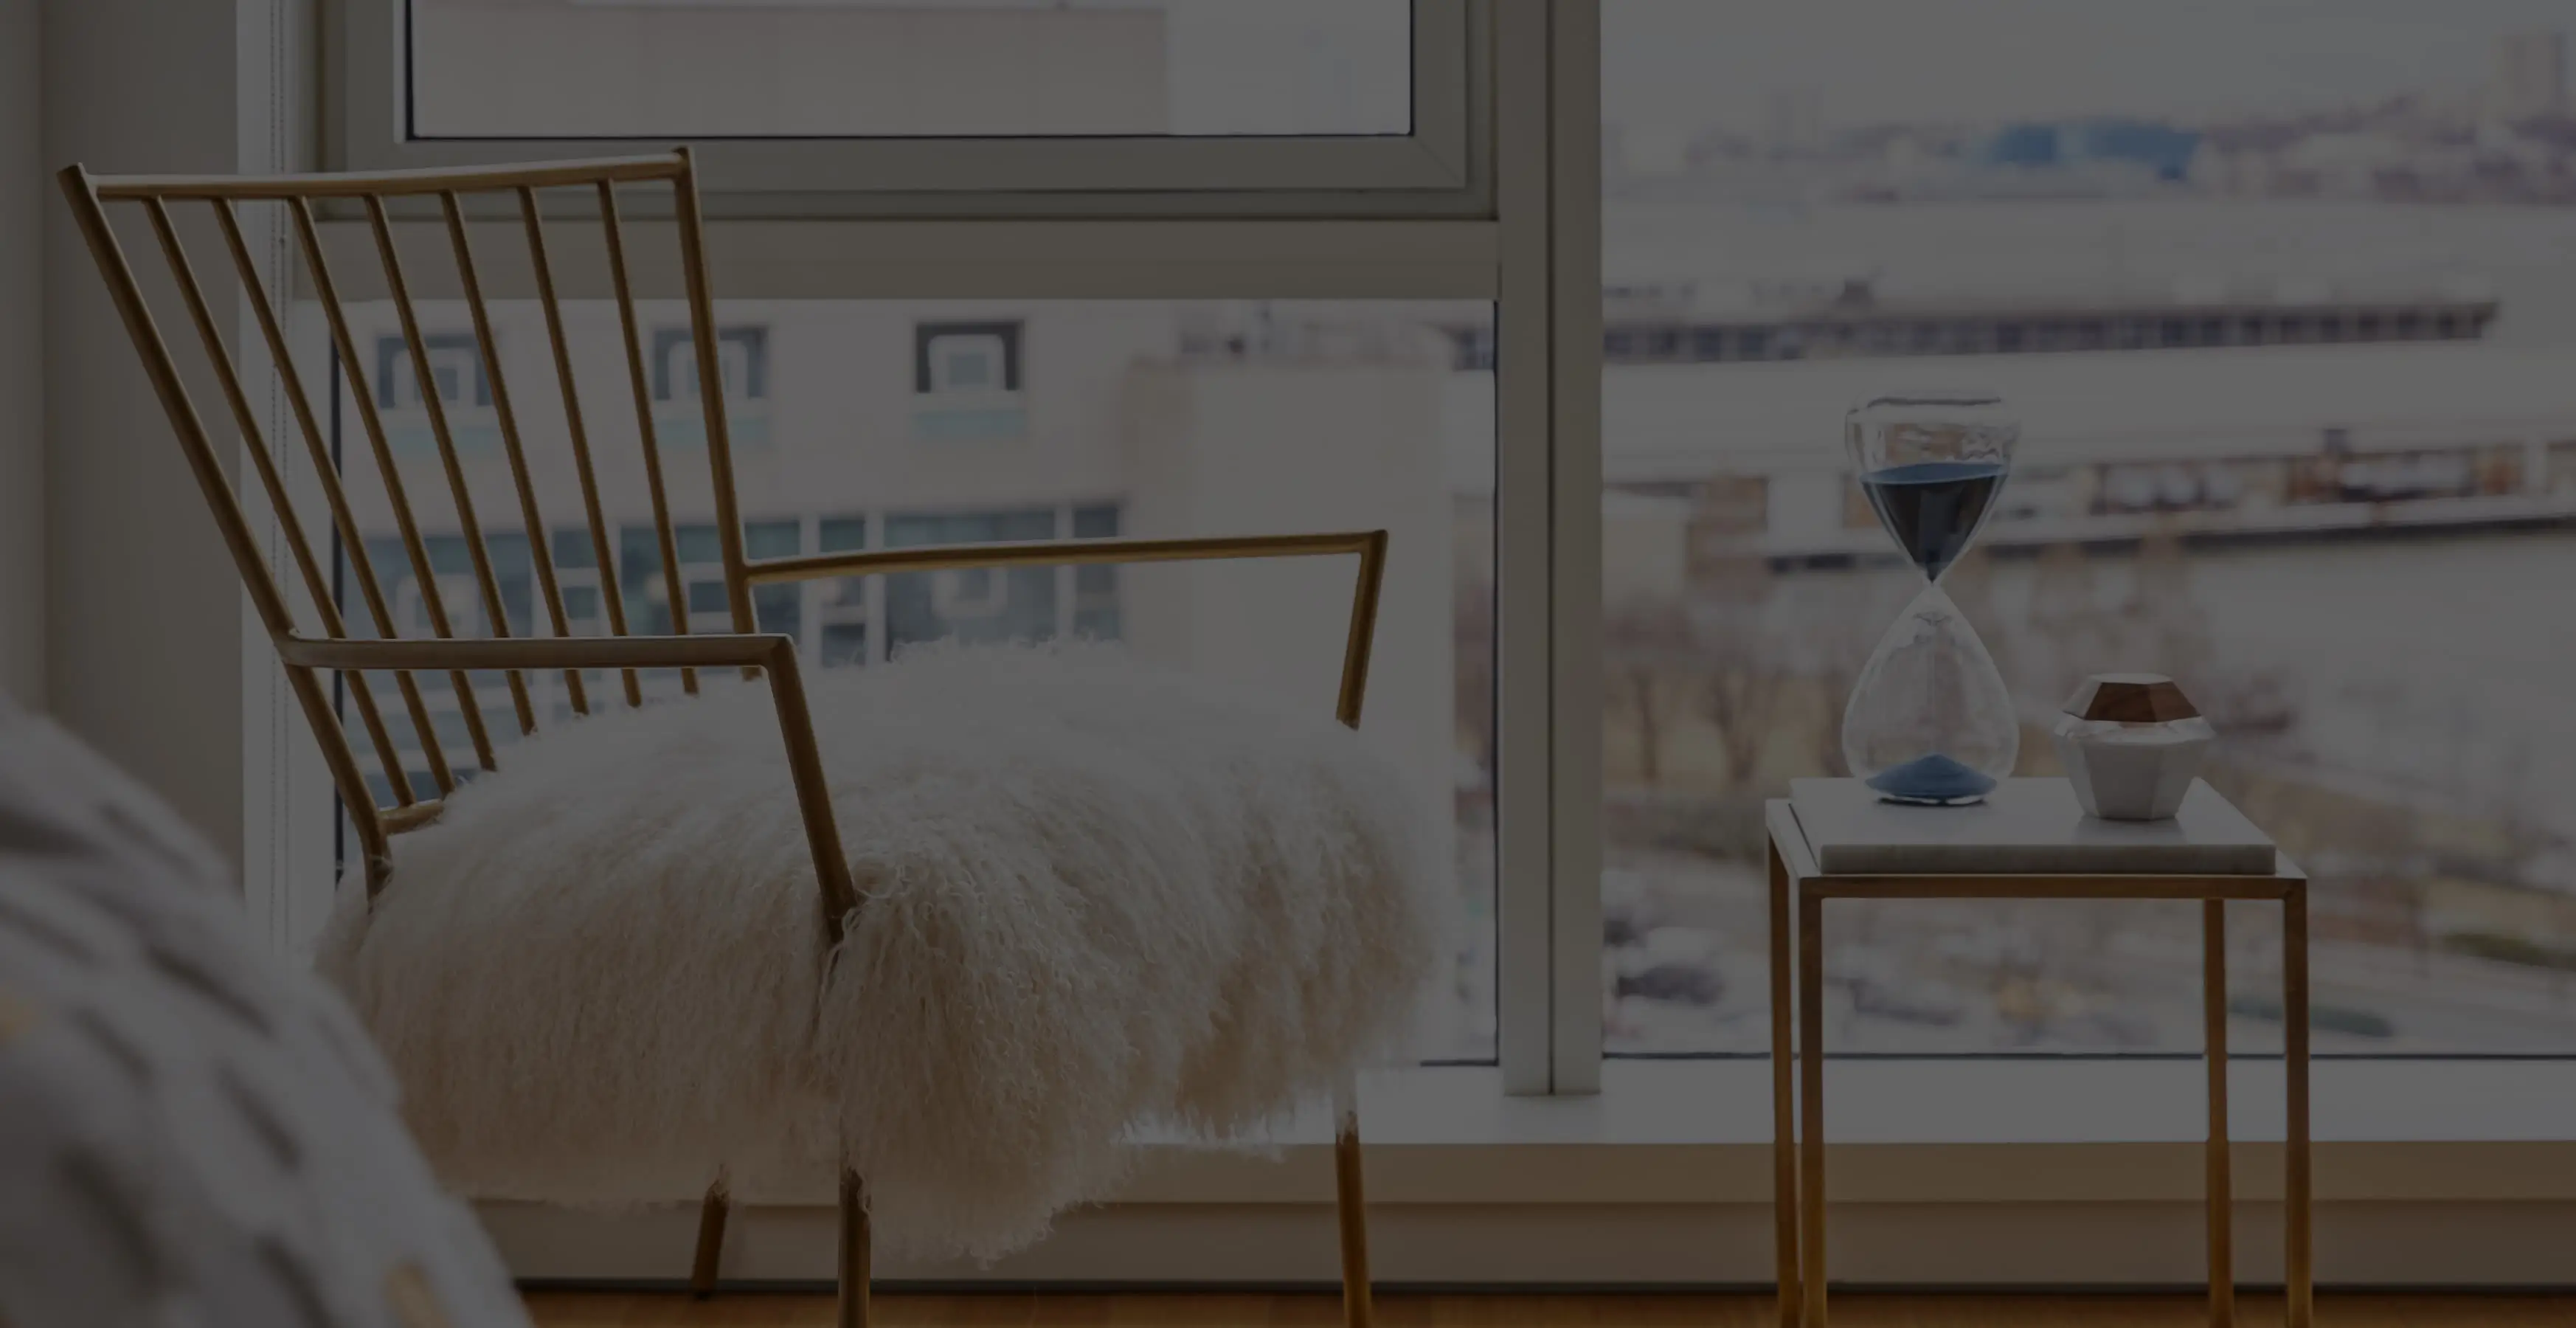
column 2131, row 698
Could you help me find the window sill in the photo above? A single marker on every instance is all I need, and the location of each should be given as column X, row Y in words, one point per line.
column 1665, row 1179
column 1919, row 1131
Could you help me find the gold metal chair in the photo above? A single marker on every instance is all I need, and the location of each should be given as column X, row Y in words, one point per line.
column 306, row 656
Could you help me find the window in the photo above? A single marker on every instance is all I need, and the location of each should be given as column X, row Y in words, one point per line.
column 975, row 603
column 1303, row 105
column 966, row 359
column 1095, row 586
column 2214, row 510
column 464, row 393
column 455, row 366
column 1092, row 68
column 844, row 612
column 742, row 356
column 967, row 377
column 1163, row 417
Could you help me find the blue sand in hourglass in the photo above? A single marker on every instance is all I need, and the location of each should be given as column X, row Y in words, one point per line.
column 1933, row 507
column 1934, row 779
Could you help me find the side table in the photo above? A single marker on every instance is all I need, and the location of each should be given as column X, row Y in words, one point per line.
column 1798, row 1107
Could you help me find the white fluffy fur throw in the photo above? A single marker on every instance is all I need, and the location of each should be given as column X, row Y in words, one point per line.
column 1097, row 896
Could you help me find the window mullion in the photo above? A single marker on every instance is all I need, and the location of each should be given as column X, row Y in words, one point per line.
column 1525, row 943
column 1574, row 326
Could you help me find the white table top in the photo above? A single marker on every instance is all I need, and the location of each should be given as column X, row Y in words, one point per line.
column 2024, row 826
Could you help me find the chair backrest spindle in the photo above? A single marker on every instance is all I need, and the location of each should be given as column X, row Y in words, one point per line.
column 541, row 560
column 353, row 544
column 257, row 580
column 433, row 405
column 675, row 587
column 366, row 394
column 693, row 263
column 603, row 555
column 317, row 584
column 433, row 605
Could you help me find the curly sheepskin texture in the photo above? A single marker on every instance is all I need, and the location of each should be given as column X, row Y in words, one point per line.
column 1097, row 897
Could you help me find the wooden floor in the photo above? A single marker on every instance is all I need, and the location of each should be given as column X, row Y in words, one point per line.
column 599, row 1310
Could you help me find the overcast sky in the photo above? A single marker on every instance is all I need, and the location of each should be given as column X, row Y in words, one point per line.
column 1686, row 63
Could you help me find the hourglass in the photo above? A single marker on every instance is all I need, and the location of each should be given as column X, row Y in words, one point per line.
column 1930, row 722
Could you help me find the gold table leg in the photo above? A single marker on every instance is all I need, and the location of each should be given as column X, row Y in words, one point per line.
column 2217, row 1185
column 2300, row 1273
column 1784, row 1097
column 1811, row 1078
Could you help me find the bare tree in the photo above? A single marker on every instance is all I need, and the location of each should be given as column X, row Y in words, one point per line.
column 1740, row 669
column 1645, row 642
column 1829, row 624
column 1739, row 684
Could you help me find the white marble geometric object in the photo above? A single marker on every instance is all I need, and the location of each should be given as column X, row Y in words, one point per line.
column 2131, row 744
column 2128, row 772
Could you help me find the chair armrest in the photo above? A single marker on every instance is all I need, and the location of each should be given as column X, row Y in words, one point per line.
column 1369, row 546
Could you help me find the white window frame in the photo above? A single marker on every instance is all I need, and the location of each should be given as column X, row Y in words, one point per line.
column 1436, row 164
column 1480, row 231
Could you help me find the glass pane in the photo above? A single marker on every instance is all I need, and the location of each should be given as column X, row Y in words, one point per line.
column 2288, row 341
column 869, row 68
column 1149, row 419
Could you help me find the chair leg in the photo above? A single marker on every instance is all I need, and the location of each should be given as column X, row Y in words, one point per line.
column 712, row 1211
column 1350, row 1207
column 854, row 1261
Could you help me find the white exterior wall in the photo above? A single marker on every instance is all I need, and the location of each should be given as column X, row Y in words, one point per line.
column 840, row 415
column 1114, row 416
column 1286, row 447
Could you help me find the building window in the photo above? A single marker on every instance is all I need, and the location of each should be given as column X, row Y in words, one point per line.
column 776, row 608
column 966, row 359
column 455, row 366
column 966, row 382
column 975, row 604
column 742, row 356
column 647, row 592
column 843, row 612
column 1095, row 585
